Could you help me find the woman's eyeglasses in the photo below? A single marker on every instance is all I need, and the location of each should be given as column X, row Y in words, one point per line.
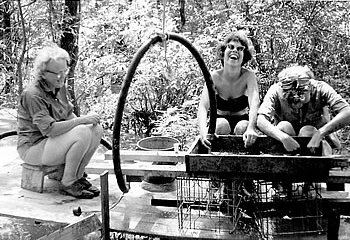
column 60, row 73
column 233, row 47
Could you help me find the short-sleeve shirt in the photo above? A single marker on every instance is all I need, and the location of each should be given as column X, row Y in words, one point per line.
column 38, row 109
column 275, row 108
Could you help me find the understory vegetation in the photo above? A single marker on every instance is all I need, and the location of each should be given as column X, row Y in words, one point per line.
column 164, row 94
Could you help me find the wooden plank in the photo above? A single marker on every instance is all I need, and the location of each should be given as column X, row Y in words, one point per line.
column 105, row 205
column 76, row 230
column 264, row 145
column 135, row 215
column 148, row 156
column 139, row 169
column 267, row 167
column 339, row 175
column 17, row 227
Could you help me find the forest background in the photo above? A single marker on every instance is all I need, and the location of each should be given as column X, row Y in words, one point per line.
column 102, row 37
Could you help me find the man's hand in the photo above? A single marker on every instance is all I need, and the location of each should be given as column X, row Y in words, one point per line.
column 289, row 143
column 249, row 137
column 315, row 140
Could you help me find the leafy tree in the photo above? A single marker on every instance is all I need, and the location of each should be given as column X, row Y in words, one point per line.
column 69, row 42
column 168, row 82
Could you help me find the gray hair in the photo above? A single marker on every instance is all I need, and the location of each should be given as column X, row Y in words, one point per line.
column 45, row 55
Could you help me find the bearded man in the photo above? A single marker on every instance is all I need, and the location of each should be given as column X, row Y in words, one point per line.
column 297, row 105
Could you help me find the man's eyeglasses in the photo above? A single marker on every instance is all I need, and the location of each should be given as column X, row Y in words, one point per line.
column 233, row 47
column 301, row 90
column 60, row 73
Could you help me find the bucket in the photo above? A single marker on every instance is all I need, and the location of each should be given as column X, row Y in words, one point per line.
column 158, row 143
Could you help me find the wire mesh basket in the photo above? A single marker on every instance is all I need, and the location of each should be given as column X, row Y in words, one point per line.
column 290, row 209
column 258, row 208
column 214, row 205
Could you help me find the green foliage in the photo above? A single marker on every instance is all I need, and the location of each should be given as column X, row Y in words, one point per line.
column 283, row 32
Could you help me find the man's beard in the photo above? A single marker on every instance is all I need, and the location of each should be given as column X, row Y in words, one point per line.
column 294, row 99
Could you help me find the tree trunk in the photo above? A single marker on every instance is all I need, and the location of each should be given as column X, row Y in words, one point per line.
column 182, row 13
column 24, row 46
column 69, row 42
column 5, row 36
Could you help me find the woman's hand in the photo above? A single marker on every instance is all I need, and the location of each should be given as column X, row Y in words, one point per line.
column 205, row 141
column 249, row 137
column 91, row 118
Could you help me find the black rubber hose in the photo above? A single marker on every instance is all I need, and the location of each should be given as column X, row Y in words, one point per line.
column 106, row 144
column 124, row 92
column 8, row 134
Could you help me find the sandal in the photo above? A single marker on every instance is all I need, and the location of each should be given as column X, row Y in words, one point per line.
column 76, row 190
column 89, row 187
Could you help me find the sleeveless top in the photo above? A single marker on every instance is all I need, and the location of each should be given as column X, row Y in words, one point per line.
column 232, row 104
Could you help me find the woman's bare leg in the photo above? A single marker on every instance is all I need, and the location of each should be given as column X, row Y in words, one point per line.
column 222, row 126
column 72, row 149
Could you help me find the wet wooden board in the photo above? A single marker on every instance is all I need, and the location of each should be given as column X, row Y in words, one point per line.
column 15, row 227
column 135, row 215
column 75, row 230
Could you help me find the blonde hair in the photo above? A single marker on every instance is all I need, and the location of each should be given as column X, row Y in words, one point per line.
column 45, row 55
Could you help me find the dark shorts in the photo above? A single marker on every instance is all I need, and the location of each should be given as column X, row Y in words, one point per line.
column 233, row 120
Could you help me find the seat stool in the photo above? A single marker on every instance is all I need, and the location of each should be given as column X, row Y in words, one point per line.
column 33, row 175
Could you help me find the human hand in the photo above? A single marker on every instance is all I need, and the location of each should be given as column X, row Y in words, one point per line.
column 289, row 143
column 249, row 137
column 315, row 141
column 91, row 118
column 205, row 141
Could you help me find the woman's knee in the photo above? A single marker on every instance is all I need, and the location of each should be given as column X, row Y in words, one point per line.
column 307, row 131
column 222, row 126
column 97, row 133
column 82, row 132
column 241, row 127
column 286, row 127
column 91, row 134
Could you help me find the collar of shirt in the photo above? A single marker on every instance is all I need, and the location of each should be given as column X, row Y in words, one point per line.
column 43, row 84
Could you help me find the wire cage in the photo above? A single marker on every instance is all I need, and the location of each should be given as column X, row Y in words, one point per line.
column 259, row 208
column 290, row 209
column 214, row 205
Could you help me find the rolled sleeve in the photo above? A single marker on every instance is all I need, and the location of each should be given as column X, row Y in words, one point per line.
column 335, row 101
column 43, row 121
column 40, row 112
column 268, row 106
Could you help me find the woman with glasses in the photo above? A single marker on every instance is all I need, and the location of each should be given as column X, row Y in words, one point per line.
column 237, row 93
column 49, row 133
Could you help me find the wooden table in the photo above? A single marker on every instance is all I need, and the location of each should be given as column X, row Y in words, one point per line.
column 267, row 160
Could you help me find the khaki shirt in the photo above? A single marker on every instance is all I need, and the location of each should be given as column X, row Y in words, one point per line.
column 276, row 109
column 38, row 109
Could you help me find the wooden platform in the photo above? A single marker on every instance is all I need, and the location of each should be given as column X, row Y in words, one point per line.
column 135, row 214
column 229, row 159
